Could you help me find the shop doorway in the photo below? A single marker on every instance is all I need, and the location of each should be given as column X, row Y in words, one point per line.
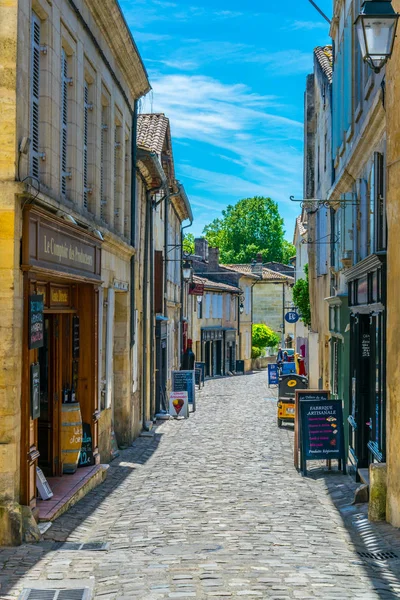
column 48, row 422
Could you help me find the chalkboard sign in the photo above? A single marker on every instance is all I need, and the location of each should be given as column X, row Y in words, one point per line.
column 308, row 395
column 202, row 366
column 75, row 336
column 321, row 430
column 273, row 375
column 35, row 391
column 197, row 377
column 35, row 321
column 184, row 381
column 86, row 455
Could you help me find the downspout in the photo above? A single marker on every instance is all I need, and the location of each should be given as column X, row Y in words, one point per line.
column 183, row 284
column 152, row 315
column 145, row 312
column 238, row 320
column 166, row 206
column 133, row 221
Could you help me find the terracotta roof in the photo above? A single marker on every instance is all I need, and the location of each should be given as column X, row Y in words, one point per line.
column 324, row 57
column 300, row 225
column 267, row 274
column 151, row 131
column 214, row 285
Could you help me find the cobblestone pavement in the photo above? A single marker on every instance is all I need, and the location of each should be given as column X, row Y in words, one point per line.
column 212, row 508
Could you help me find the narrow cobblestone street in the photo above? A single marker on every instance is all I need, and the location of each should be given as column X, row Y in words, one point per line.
column 211, row 507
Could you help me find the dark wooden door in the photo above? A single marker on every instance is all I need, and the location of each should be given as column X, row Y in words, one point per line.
column 49, row 358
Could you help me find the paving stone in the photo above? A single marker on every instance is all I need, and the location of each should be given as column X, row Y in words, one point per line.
column 212, row 507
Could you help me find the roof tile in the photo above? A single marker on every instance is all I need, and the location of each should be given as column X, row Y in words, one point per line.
column 151, row 131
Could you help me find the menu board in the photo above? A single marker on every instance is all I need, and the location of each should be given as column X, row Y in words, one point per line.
column 35, row 391
column 308, row 395
column 197, row 377
column 86, row 455
column 184, row 381
column 35, row 321
column 273, row 375
column 321, row 430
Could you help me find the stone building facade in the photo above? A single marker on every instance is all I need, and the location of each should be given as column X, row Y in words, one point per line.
column 67, row 121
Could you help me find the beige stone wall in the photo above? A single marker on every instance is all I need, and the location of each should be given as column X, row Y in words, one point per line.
column 393, row 266
column 11, row 296
column 268, row 305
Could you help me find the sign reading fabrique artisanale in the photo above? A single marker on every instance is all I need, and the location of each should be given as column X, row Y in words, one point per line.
column 54, row 245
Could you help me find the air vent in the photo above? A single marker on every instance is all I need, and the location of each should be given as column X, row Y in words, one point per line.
column 49, row 594
column 87, row 546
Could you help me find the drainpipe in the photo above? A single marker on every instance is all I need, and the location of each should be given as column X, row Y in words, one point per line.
column 238, row 320
column 183, row 284
column 152, row 314
column 133, row 221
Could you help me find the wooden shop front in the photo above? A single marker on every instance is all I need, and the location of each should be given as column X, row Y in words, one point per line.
column 61, row 264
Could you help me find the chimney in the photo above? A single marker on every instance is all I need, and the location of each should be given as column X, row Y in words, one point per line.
column 201, row 248
column 257, row 265
column 213, row 259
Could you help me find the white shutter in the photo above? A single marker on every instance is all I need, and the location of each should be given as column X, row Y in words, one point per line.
column 228, row 307
column 64, row 121
column 208, row 305
column 220, row 306
column 35, row 94
column 85, row 143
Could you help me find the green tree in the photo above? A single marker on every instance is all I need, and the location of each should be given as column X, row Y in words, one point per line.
column 301, row 297
column 288, row 251
column 251, row 226
column 264, row 337
column 188, row 243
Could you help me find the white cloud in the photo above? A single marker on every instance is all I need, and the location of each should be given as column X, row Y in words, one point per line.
column 308, row 25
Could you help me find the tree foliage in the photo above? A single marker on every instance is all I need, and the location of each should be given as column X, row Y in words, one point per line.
column 251, row 226
column 188, row 243
column 264, row 337
column 288, row 251
column 301, row 297
column 256, row 352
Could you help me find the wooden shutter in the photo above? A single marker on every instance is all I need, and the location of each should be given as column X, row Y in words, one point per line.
column 85, row 144
column 35, row 94
column 64, row 121
column 380, row 207
column 158, row 281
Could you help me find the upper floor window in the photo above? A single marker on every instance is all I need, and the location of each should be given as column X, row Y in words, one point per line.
column 118, row 148
column 35, row 95
column 105, row 161
column 87, row 108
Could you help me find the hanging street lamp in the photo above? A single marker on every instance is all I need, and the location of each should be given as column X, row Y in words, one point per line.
column 376, row 29
column 187, row 270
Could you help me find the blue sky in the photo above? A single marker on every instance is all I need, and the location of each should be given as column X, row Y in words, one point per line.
column 230, row 76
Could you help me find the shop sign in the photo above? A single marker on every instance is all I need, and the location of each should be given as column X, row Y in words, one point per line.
column 35, row 321
column 184, row 381
column 273, row 375
column 59, row 296
column 292, row 317
column 178, row 404
column 53, row 245
column 86, row 455
column 321, row 429
column 196, row 289
column 122, row 286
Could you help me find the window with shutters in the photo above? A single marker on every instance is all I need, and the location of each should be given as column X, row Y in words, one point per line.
column 35, row 96
column 208, row 306
column 104, row 163
column 118, row 149
column 65, row 83
column 380, row 203
column 228, row 307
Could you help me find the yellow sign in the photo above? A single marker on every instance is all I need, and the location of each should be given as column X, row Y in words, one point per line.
column 292, row 383
column 59, row 296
